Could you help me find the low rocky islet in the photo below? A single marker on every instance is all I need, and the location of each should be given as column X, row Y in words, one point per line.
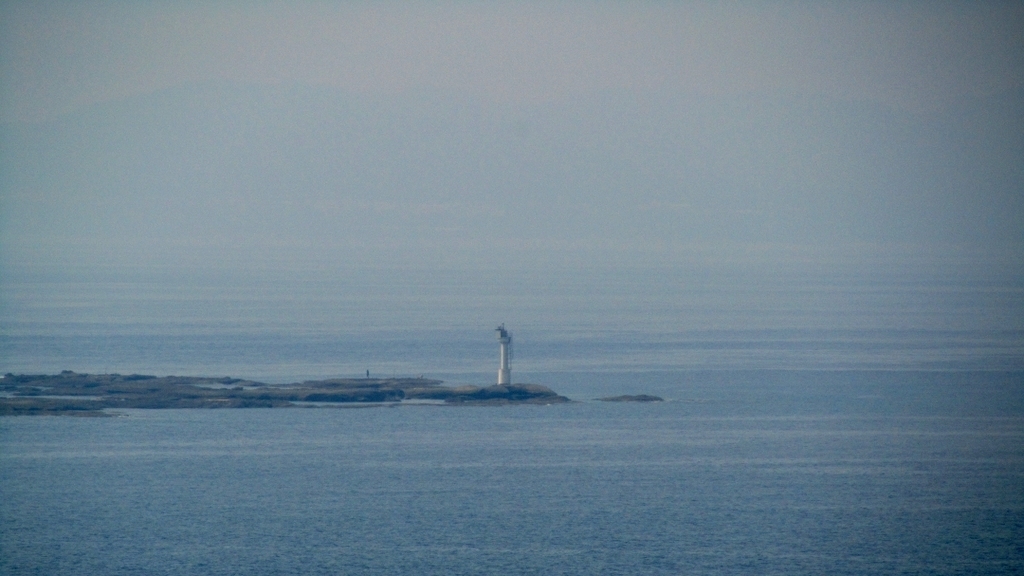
column 72, row 393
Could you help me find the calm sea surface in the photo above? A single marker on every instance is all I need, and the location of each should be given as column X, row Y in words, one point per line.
column 823, row 430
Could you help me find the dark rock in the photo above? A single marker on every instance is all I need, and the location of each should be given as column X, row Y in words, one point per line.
column 635, row 398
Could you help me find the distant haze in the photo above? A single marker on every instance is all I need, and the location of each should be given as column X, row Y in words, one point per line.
column 843, row 137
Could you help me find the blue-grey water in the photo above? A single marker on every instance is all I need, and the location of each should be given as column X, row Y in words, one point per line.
column 848, row 429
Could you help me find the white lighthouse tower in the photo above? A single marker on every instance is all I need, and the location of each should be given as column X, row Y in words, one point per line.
column 504, row 371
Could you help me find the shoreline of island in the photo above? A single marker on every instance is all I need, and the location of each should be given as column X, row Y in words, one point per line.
column 77, row 394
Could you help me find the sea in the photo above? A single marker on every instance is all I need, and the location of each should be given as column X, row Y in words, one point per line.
column 813, row 426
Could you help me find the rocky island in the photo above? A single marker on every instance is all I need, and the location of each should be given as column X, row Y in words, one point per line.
column 71, row 393
column 633, row 398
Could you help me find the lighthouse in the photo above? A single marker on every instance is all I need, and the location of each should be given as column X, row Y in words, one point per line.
column 504, row 371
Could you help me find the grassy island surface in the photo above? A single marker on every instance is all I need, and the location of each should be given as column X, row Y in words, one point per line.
column 71, row 393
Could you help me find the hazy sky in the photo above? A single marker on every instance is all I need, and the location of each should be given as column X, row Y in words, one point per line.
column 471, row 133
